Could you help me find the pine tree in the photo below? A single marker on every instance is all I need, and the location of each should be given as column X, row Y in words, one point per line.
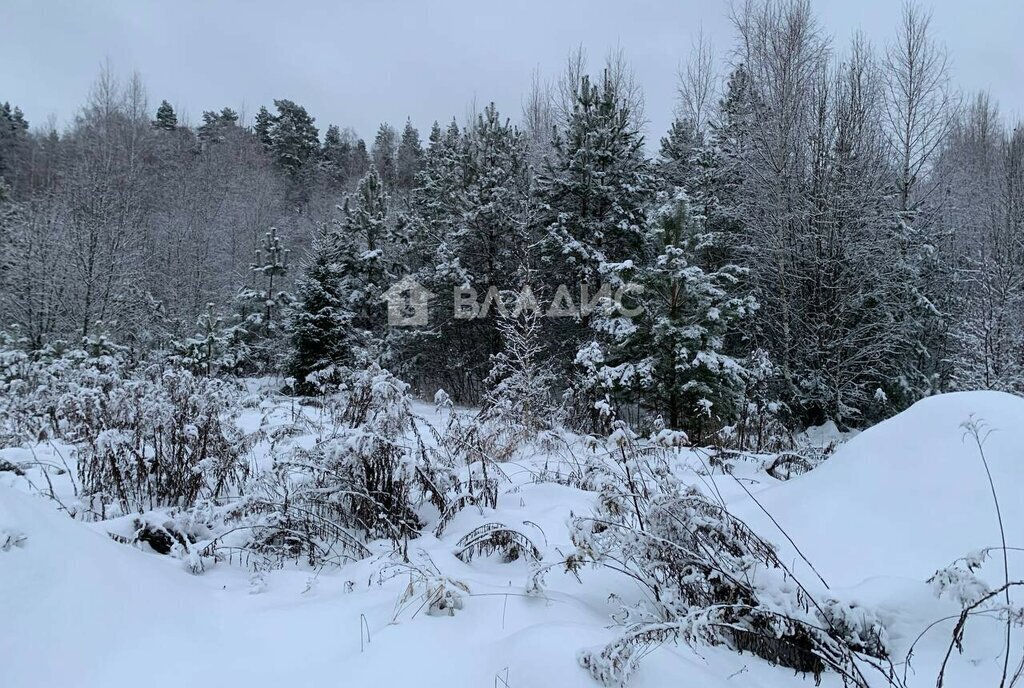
column 214, row 348
column 717, row 165
column 384, row 153
column 362, row 242
column 469, row 228
column 294, row 139
column 321, row 321
column 982, row 261
column 409, row 159
column 594, row 191
column 359, row 161
column 264, row 123
column 217, row 126
column 340, row 317
column 674, row 357
column 596, row 185
column 271, row 262
column 165, row 117
column 433, row 201
column 678, row 152
column 261, row 306
column 14, row 146
column 334, row 156
column 692, row 160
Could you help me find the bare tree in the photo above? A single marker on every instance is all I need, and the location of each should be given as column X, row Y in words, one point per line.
column 538, row 117
column 980, row 173
column 698, row 82
column 919, row 105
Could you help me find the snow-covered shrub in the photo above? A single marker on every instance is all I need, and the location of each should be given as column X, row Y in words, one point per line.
column 31, row 382
column 480, row 447
column 709, row 578
column 144, row 437
column 518, row 411
column 158, row 438
column 285, row 520
column 496, row 537
column 977, row 598
column 518, row 404
column 761, row 421
column 367, row 477
column 428, row 588
column 960, row 581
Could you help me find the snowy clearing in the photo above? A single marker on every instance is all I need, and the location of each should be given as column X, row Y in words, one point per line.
column 878, row 518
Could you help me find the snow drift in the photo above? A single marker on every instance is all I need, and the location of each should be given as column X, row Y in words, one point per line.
column 909, row 495
column 890, row 507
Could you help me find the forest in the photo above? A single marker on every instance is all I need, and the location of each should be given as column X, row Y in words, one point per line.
column 832, row 232
column 200, row 358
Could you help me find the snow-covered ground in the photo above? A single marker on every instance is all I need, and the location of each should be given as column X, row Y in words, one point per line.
column 891, row 506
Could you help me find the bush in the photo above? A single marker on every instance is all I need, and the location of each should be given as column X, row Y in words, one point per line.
column 144, row 437
column 163, row 438
column 709, row 577
column 365, row 479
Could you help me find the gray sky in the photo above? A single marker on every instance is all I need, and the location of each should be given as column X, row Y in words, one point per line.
column 358, row 62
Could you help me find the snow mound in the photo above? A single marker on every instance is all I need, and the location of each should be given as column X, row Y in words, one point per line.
column 69, row 595
column 909, row 495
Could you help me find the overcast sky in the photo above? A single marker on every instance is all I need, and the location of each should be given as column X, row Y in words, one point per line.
column 358, row 62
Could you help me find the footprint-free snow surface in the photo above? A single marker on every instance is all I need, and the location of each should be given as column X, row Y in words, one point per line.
column 877, row 519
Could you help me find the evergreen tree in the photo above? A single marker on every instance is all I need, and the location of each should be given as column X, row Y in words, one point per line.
column 409, row 159
column 262, row 305
column 364, row 258
column 692, row 159
column 217, row 126
column 341, row 317
column 434, row 198
column 358, row 161
column 14, row 147
column 384, row 151
column 214, row 348
column 294, row 139
column 435, row 137
column 321, row 322
column 596, row 184
column 271, row 262
column 264, row 123
column 678, row 153
column 165, row 117
column 334, row 156
column 332, row 140
column 470, row 228
column 594, row 191
column 674, row 357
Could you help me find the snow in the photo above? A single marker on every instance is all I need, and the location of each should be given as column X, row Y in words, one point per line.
column 909, row 495
column 78, row 609
column 877, row 519
column 825, row 435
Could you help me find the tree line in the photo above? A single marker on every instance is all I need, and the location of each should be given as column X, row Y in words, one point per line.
column 826, row 232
